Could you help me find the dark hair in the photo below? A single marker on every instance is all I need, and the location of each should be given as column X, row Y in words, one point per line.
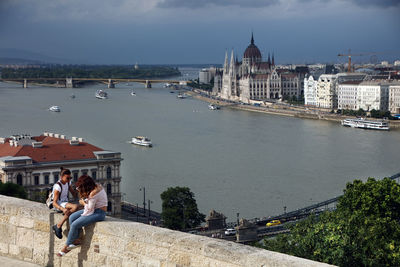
column 85, row 185
column 64, row 172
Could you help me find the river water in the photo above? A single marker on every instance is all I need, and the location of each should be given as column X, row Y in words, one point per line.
column 233, row 161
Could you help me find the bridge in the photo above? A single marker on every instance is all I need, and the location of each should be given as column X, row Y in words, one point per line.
column 74, row 82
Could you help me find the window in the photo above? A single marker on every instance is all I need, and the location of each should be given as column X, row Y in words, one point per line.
column 94, row 175
column 46, row 179
column 36, row 178
column 108, row 189
column 109, row 206
column 19, row 179
column 75, row 176
column 108, row 172
column 55, row 177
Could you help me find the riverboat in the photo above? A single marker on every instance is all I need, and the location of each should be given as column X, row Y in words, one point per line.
column 100, row 94
column 141, row 141
column 366, row 124
column 213, row 107
column 55, row 108
column 133, row 93
column 181, row 96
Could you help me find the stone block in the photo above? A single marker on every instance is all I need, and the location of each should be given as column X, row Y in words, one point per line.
column 43, row 226
column 68, row 261
column 38, row 257
column 129, row 263
column 14, row 251
column 26, row 253
column 25, row 237
column 180, row 258
column 113, row 261
column 41, row 240
column 148, row 250
column 97, row 258
column 148, row 262
column 8, row 233
column 4, row 218
column 3, row 248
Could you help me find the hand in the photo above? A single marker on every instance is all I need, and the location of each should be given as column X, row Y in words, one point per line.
column 67, row 212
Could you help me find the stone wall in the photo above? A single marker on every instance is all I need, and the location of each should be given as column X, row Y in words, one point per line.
column 25, row 234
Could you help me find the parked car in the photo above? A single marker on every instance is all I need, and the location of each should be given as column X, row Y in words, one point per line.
column 230, row 231
column 273, row 223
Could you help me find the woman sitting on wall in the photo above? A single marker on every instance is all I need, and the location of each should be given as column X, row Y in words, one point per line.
column 94, row 198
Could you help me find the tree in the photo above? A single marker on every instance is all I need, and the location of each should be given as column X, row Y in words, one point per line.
column 364, row 230
column 179, row 209
column 12, row 190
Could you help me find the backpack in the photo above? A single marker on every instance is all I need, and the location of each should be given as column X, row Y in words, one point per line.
column 50, row 198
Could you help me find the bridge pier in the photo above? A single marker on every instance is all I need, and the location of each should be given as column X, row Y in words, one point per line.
column 246, row 231
column 69, row 83
column 111, row 84
column 148, row 84
column 25, row 84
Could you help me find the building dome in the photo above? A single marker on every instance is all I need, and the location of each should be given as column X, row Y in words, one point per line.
column 252, row 51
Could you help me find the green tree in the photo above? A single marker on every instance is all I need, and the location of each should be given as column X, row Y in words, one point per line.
column 179, row 209
column 12, row 190
column 364, row 230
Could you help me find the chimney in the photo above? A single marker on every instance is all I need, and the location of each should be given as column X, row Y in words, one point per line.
column 11, row 142
column 57, row 135
column 62, row 136
column 37, row 144
column 51, row 134
column 80, row 139
column 74, row 142
column 46, row 134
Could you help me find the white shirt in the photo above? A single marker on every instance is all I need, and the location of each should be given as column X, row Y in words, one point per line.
column 64, row 193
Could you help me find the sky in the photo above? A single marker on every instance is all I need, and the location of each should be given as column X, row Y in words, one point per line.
column 200, row 31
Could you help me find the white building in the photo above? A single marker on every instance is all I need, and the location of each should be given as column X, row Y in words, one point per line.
column 205, row 76
column 326, row 91
column 347, row 95
column 310, row 90
column 394, row 99
column 373, row 95
column 34, row 162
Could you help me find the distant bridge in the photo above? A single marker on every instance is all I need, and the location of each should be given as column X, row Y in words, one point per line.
column 72, row 82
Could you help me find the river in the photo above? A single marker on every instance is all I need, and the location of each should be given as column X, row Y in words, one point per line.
column 233, row 161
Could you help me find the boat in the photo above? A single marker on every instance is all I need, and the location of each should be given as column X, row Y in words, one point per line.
column 133, row 93
column 72, row 96
column 181, row 96
column 141, row 141
column 213, row 107
column 366, row 124
column 100, row 94
column 54, row 108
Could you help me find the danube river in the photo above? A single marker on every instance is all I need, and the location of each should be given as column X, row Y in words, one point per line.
column 234, row 161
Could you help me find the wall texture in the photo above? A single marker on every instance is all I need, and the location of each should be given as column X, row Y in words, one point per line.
column 25, row 234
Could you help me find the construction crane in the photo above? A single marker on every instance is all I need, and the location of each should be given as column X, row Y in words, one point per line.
column 350, row 55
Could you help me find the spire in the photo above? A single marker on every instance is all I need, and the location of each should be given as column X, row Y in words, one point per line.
column 273, row 59
column 252, row 39
column 232, row 65
column 226, row 67
column 269, row 60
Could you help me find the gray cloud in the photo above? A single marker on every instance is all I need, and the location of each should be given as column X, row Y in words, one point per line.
column 377, row 3
column 204, row 3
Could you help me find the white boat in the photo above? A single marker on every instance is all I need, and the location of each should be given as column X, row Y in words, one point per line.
column 54, row 108
column 181, row 96
column 100, row 94
column 366, row 124
column 133, row 93
column 213, row 107
column 72, row 96
column 141, row 141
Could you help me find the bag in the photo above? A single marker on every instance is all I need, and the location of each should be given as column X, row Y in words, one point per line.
column 50, row 198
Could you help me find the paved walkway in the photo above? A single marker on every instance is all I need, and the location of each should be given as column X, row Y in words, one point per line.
column 9, row 262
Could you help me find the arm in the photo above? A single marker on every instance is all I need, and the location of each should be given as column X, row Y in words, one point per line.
column 89, row 206
column 73, row 191
column 95, row 191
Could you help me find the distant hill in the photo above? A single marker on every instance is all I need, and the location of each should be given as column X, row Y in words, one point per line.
column 20, row 56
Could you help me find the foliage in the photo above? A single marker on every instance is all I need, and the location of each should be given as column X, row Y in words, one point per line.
column 380, row 114
column 364, row 230
column 90, row 71
column 12, row 190
column 350, row 112
column 203, row 86
column 179, row 209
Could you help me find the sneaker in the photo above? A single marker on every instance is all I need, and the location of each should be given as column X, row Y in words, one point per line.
column 57, row 231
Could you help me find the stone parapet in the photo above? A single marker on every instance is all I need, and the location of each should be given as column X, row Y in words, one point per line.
column 25, row 231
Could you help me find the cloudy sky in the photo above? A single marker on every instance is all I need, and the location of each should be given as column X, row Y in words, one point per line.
column 200, row 31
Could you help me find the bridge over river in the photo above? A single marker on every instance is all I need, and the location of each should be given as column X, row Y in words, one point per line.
column 74, row 82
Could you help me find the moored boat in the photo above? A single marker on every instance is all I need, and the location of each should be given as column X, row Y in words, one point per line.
column 141, row 141
column 181, row 96
column 366, row 124
column 213, row 107
column 100, row 94
column 55, row 108
column 133, row 93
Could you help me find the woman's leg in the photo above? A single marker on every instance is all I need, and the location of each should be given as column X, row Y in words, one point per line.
column 78, row 223
column 75, row 216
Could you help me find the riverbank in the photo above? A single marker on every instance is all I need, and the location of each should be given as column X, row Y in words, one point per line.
column 285, row 110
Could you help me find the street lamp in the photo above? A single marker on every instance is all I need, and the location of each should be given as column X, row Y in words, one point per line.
column 144, row 200
column 149, row 218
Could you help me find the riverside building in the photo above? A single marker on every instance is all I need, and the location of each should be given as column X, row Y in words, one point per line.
column 34, row 162
column 253, row 79
column 394, row 98
column 373, row 95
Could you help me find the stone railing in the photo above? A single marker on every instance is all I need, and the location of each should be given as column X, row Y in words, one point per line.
column 25, row 234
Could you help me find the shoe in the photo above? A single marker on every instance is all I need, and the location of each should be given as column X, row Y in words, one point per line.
column 72, row 246
column 57, row 231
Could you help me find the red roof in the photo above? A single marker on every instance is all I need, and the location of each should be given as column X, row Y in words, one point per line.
column 53, row 149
